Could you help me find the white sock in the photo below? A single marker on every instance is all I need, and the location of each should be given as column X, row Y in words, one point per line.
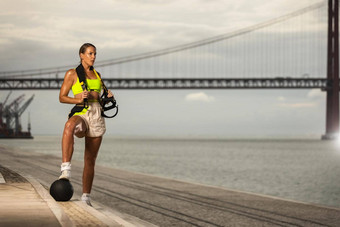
column 86, row 198
column 65, row 169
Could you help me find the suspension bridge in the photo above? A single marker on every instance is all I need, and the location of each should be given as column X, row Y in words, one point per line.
column 285, row 52
column 298, row 50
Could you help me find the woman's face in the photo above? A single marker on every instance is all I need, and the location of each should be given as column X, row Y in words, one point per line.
column 89, row 56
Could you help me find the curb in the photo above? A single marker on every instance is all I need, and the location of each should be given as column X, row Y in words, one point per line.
column 59, row 213
column 2, row 180
column 106, row 215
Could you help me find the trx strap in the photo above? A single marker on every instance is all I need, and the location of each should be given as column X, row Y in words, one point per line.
column 107, row 103
column 82, row 79
column 81, row 75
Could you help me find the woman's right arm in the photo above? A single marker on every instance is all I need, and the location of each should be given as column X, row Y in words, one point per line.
column 69, row 80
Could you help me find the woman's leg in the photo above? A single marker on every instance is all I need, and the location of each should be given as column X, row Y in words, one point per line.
column 92, row 145
column 68, row 137
column 68, row 142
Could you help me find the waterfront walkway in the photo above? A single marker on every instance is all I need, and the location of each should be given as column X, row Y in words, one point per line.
column 25, row 202
column 123, row 198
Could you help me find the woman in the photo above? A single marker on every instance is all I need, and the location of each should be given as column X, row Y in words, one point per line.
column 88, row 122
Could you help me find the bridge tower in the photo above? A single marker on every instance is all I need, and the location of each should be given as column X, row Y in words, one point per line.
column 332, row 106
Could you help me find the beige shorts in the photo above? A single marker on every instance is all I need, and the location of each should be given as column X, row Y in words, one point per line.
column 94, row 122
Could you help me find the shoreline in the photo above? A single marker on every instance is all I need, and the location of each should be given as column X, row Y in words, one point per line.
column 204, row 137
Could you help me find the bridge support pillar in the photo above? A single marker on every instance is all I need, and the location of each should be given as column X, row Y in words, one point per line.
column 332, row 108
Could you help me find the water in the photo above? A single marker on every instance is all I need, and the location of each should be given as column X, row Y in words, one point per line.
column 302, row 170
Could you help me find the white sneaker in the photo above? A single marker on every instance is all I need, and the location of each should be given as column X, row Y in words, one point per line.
column 65, row 169
column 66, row 174
column 86, row 199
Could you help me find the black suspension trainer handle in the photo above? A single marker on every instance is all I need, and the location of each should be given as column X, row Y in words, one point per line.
column 108, row 100
column 109, row 108
column 86, row 101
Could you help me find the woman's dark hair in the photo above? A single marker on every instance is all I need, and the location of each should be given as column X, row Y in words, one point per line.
column 84, row 47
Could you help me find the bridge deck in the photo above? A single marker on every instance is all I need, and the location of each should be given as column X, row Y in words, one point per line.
column 175, row 83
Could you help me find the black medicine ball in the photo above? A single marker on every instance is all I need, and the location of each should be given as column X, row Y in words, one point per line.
column 61, row 190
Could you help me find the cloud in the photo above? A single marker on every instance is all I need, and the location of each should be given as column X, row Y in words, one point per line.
column 200, row 96
column 122, row 28
column 316, row 94
column 281, row 98
column 299, row 105
column 313, row 99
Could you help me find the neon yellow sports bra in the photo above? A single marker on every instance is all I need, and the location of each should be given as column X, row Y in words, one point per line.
column 92, row 84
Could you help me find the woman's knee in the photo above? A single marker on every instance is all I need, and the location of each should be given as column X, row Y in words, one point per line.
column 70, row 126
column 80, row 129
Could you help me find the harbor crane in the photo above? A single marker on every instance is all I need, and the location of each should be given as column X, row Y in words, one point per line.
column 10, row 126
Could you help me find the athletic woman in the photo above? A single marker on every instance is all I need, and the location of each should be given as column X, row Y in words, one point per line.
column 86, row 121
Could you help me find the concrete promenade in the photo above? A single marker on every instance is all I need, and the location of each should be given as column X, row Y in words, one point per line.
column 25, row 202
column 122, row 198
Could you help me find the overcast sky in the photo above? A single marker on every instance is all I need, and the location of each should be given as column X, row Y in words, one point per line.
column 39, row 34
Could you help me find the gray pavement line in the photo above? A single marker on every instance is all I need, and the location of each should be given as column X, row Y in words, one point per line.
column 2, row 180
column 156, row 208
column 59, row 213
column 261, row 215
column 221, row 188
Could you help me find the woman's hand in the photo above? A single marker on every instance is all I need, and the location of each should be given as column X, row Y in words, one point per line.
column 85, row 94
column 109, row 94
